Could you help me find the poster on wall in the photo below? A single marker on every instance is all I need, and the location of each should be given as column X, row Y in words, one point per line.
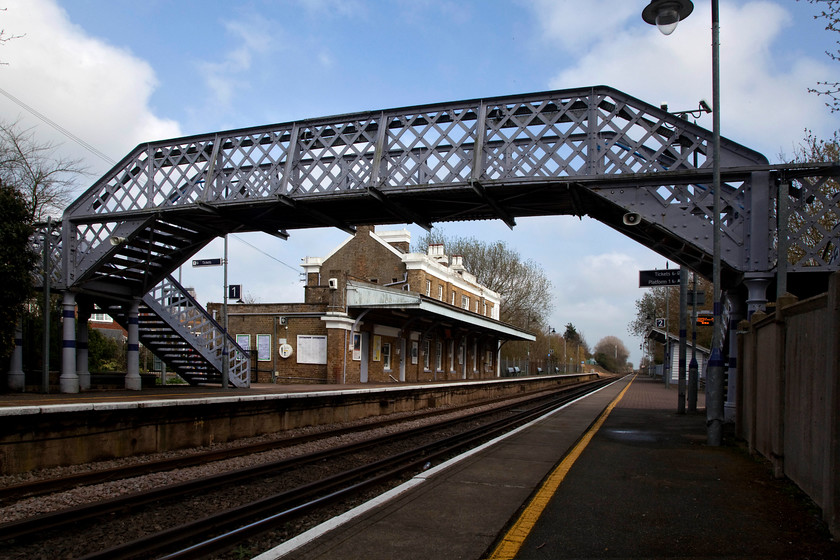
column 264, row 347
column 244, row 341
column 377, row 348
column 311, row 349
column 357, row 347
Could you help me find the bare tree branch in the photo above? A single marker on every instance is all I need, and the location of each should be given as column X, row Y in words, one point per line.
column 30, row 167
column 830, row 13
column 523, row 286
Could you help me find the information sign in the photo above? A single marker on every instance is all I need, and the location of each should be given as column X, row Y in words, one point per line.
column 207, row 262
column 657, row 278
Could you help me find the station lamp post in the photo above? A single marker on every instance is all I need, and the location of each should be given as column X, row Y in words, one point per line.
column 666, row 14
column 551, row 331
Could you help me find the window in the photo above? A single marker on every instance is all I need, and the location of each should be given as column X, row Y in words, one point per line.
column 440, row 292
column 465, row 302
column 386, row 356
column 414, row 351
column 451, row 355
column 476, row 306
column 485, row 308
column 452, row 302
column 426, row 352
column 428, row 288
column 439, row 356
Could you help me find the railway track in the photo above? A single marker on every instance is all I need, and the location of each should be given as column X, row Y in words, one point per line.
column 42, row 487
column 379, row 460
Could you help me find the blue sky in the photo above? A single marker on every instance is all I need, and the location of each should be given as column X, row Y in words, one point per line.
column 117, row 73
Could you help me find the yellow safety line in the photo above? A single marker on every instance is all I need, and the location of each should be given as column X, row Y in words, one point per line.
column 515, row 537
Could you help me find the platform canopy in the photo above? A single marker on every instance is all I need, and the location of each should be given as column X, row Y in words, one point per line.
column 403, row 305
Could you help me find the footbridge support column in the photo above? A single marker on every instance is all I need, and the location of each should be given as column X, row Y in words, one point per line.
column 133, row 382
column 756, row 283
column 82, row 347
column 69, row 380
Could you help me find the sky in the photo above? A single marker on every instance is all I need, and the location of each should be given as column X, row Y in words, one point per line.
column 117, row 73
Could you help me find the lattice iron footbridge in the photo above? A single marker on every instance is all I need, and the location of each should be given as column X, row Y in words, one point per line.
column 593, row 151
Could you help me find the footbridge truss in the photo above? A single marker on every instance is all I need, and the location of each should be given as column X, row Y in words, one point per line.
column 594, row 151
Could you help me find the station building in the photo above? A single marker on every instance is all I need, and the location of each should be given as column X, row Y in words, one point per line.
column 375, row 312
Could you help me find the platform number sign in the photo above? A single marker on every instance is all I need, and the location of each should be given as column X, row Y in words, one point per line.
column 660, row 323
column 235, row 291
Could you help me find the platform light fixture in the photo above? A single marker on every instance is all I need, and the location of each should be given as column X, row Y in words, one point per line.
column 666, row 14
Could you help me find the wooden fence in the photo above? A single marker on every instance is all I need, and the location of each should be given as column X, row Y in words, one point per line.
column 788, row 401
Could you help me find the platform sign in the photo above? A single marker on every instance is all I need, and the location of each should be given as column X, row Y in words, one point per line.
column 660, row 322
column 235, row 291
column 658, row 278
column 207, row 262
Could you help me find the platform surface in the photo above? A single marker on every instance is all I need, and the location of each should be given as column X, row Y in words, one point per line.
column 645, row 486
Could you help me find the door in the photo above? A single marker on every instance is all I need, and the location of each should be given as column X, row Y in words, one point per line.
column 402, row 359
column 363, row 375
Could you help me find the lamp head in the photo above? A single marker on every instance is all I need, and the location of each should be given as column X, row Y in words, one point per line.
column 666, row 14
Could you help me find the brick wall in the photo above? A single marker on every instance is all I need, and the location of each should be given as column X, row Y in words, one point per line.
column 259, row 320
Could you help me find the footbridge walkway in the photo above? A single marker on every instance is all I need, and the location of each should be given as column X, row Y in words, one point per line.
column 592, row 151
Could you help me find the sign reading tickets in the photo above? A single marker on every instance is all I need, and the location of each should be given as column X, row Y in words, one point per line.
column 656, row 278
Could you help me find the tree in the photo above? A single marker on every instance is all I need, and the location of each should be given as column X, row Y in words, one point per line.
column 17, row 261
column 31, row 167
column 575, row 347
column 571, row 334
column 522, row 285
column 830, row 13
column 104, row 353
column 818, row 210
column 611, row 354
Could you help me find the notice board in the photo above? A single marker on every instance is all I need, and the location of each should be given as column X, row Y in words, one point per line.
column 311, row 349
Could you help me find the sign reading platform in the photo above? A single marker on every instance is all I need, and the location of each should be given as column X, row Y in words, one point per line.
column 657, row 278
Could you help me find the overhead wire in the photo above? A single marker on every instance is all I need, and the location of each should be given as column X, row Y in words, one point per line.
column 59, row 128
column 264, row 253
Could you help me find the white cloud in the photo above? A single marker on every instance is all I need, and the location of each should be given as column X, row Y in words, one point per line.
column 764, row 100
column 97, row 91
column 575, row 25
column 229, row 77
